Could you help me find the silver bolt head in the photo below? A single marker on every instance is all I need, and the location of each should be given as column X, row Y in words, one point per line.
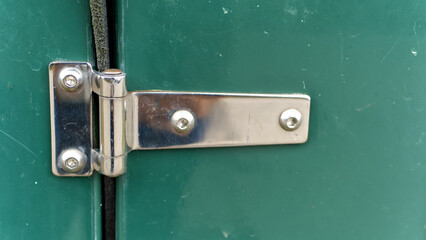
column 72, row 160
column 71, row 163
column 290, row 119
column 182, row 121
column 70, row 79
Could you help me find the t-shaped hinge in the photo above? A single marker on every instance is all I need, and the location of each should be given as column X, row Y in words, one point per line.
column 144, row 120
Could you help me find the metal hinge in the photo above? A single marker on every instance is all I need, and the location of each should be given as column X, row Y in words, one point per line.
column 144, row 120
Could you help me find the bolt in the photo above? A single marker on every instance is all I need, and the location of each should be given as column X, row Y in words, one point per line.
column 70, row 79
column 72, row 160
column 290, row 119
column 182, row 121
column 182, row 124
column 71, row 163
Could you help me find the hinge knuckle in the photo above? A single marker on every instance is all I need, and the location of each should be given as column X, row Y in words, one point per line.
column 112, row 133
column 112, row 83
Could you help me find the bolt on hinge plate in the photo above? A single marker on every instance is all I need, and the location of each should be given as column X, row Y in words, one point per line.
column 145, row 120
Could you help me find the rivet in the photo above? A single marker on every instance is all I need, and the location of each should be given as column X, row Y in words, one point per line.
column 290, row 119
column 182, row 121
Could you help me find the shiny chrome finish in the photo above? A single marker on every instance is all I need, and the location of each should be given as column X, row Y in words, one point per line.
column 147, row 120
column 182, row 122
column 112, row 133
column 111, row 83
column 221, row 120
column 290, row 119
column 112, row 121
column 71, row 86
column 72, row 160
column 71, row 115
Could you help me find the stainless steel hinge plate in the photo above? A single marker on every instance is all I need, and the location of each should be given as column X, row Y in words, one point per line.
column 71, row 119
column 145, row 120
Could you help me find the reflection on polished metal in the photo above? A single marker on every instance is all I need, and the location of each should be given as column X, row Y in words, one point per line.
column 290, row 119
column 182, row 121
column 222, row 120
column 71, row 116
column 145, row 120
column 72, row 160
column 112, row 122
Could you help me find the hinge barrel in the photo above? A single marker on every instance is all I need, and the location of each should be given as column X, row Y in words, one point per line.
column 112, row 122
column 112, row 133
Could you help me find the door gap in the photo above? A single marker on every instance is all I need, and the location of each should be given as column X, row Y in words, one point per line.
column 103, row 27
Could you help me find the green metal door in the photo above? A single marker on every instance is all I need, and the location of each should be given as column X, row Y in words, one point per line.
column 361, row 175
column 34, row 204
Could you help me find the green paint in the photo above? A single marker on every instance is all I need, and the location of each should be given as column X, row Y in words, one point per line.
column 34, row 204
column 361, row 175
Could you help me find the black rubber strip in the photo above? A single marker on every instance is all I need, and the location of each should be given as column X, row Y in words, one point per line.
column 98, row 9
column 100, row 24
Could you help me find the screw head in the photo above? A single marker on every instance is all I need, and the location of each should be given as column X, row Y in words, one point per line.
column 71, row 163
column 70, row 79
column 72, row 160
column 290, row 119
column 182, row 121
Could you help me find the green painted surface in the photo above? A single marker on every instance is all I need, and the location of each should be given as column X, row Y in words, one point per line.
column 361, row 175
column 34, row 204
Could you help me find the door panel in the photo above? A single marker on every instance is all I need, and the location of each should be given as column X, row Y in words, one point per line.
column 361, row 174
column 35, row 204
